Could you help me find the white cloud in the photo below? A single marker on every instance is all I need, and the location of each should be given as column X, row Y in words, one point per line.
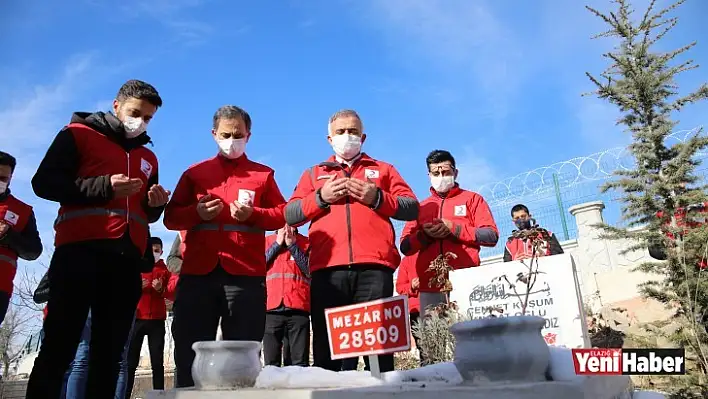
column 461, row 36
column 31, row 119
column 597, row 120
column 475, row 170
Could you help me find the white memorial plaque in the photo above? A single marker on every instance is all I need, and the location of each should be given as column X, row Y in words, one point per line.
column 555, row 296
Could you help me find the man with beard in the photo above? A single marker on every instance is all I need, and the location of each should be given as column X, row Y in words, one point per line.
column 106, row 182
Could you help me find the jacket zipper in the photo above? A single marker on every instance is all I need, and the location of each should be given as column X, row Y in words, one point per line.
column 442, row 203
column 127, row 199
column 349, row 223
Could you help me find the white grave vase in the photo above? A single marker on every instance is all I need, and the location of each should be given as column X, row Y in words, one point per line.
column 501, row 349
column 226, row 364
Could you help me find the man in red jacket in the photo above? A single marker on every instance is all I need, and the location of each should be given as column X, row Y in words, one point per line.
column 225, row 204
column 451, row 220
column 350, row 199
column 150, row 321
column 19, row 237
column 288, row 288
column 517, row 249
column 106, row 181
column 408, row 283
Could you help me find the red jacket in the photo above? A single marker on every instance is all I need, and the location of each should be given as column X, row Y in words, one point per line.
column 16, row 214
column 406, row 274
column 238, row 247
column 102, row 156
column 152, row 302
column 348, row 232
column 473, row 226
column 44, row 312
column 516, row 248
column 686, row 223
column 286, row 284
column 172, row 287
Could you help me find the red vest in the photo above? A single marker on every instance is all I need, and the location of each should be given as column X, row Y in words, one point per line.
column 285, row 283
column 517, row 246
column 152, row 303
column 101, row 156
column 15, row 213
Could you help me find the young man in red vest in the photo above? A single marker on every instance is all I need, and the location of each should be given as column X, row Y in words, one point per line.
column 19, row 237
column 288, row 306
column 106, row 182
column 350, row 199
column 451, row 220
column 225, row 204
column 517, row 249
column 150, row 321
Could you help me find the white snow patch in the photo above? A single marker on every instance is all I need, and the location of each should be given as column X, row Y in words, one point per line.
column 315, row 377
column 440, row 373
column 272, row 377
column 648, row 395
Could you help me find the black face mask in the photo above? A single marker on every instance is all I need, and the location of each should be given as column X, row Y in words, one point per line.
column 522, row 224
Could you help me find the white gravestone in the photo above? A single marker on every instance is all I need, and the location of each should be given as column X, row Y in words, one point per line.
column 555, row 296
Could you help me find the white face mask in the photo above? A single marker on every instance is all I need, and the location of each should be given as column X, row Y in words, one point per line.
column 232, row 148
column 3, row 187
column 156, row 255
column 442, row 184
column 134, row 127
column 346, row 146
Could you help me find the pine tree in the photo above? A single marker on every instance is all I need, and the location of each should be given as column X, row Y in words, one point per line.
column 641, row 82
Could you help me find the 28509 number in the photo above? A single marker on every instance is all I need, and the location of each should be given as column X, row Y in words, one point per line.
column 369, row 337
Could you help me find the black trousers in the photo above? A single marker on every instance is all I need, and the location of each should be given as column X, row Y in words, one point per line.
column 414, row 317
column 287, row 360
column 341, row 286
column 154, row 330
column 4, row 304
column 239, row 301
column 83, row 277
column 350, row 364
column 292, row 324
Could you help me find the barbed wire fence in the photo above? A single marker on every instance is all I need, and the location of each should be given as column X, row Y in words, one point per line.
column 549, row 191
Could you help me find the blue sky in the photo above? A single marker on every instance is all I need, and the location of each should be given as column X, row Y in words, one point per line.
column 498, row 83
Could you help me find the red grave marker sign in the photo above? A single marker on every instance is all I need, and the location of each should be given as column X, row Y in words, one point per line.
column 369, row 328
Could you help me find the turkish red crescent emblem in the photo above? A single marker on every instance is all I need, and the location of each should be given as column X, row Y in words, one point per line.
column 550, row 338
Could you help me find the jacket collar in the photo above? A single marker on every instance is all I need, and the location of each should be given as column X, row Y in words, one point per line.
column 362, row 159
column 4, row 196
column 231, row 162
column 454, row 191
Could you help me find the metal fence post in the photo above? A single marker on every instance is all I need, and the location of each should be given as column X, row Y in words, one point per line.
column 561, row 209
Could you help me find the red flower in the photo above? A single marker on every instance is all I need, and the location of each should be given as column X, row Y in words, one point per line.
column 550, row 338
column 703, row 265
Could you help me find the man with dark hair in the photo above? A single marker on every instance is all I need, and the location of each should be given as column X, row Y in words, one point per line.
column 19, row 237
column 224, row 204
column 517, row 249
column 451, row 220
column 150, row 321
column 288, row 305
column 106, row 182
column 350, row 199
